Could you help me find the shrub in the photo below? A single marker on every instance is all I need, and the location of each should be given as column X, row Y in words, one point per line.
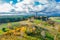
column 5, row 29
column 49, row 36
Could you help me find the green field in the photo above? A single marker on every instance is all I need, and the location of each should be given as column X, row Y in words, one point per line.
column 57, row 19
column 49, row 31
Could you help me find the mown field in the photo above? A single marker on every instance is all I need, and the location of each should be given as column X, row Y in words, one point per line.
column 30, row 30
column 57, row 19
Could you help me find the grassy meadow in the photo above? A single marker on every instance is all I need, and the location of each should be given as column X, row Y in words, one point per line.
column 31, row 29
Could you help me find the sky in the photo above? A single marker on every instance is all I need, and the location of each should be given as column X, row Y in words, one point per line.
column 29, row 5
column 57, row 0
column 15, row 1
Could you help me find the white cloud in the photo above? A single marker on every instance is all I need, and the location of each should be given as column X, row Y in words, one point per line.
column 43, row 1
column 58, row 6
column 27, row 1
column 5, row 7
column 11, row 2
column 23, row 6
column 18, row 0
column 19, row 7
column 28, row 5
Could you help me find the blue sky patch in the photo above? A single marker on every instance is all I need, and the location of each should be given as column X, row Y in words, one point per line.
column 36, row 3
column 57, row 0
column 14, row 1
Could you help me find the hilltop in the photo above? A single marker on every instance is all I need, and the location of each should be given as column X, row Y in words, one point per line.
column 31, row 29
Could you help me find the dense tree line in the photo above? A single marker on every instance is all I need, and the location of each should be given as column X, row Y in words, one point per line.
column 15, row 19
column 5, row 20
